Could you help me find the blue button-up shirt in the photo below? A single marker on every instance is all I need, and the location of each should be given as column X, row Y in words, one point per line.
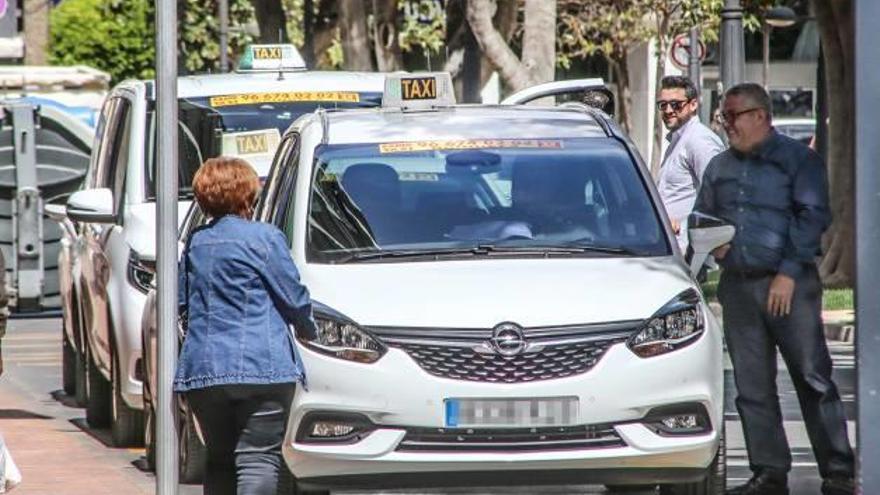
column 776, row 197
column 241, row 290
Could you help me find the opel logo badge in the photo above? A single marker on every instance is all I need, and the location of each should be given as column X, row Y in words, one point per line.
column 507, row 339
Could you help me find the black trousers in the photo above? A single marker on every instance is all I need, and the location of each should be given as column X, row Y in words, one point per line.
column 753, row 336
column 244, row 427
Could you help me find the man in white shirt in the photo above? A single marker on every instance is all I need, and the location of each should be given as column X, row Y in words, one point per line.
column 691, row 146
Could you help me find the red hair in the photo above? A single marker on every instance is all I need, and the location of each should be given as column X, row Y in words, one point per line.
column 226, row 185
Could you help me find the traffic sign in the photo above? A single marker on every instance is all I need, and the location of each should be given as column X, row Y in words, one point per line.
column 680, row 51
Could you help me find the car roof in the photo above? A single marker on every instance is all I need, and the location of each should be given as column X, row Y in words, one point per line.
column 266, row 81
column 463, row 122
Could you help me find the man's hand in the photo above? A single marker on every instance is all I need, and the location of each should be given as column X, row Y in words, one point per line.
column 676, row 226
column 721, row 251
column 781, row 292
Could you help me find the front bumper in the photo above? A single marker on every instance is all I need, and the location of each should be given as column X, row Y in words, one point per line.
column 395, row 394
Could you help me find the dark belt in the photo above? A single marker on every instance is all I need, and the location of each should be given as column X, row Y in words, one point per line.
column 749, row 273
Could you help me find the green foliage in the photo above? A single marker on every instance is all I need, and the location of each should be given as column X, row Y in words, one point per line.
column 200, row 33
column 112, row 35
column 837, row 299
column 414, row 34
column 118, row 36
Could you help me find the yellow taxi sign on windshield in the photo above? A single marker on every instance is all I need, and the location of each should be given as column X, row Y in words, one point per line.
column 418, row 91
column 271, row 57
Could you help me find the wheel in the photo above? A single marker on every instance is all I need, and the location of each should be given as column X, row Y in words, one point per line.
column 98, row 403
column 68, row 363
column 127, row 424
column 715, row 481
column 191, row 449
column 80, row 395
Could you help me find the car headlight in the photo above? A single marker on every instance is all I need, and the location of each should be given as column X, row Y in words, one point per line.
column 140, row 272
column 343, row 339
column 678, row 323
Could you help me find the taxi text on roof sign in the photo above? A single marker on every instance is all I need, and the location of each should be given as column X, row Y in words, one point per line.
column 418, row 91
column 271, row 57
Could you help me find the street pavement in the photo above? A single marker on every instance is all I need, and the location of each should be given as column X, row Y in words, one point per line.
column 59, row 454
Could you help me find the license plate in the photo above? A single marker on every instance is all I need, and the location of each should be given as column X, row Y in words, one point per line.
column 547, row 411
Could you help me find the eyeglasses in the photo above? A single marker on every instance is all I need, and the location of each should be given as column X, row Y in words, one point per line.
column 729, row 118
column 675, row 105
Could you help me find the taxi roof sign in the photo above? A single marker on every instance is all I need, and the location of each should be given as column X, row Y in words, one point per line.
column 271, row 58
column 418, row 91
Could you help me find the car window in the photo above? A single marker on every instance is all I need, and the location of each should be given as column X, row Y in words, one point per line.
column 568, row 192
column 266, row 202
column 105, row 140
column 119, row 157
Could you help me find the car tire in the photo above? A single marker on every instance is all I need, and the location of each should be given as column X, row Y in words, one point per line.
column 98, row 402
column 68, row 363
column 80, row 395
column 191, row 450
column 127, row 424
column 715, row 481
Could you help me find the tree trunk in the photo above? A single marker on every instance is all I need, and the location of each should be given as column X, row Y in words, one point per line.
column 620, row 68
column 539, row 40
column 324, row 29
column 36, row 31
column 385, row 40
column 514, row 73
column 835, row 20
column 270, row 18
column 353, row 31
column 662, row 44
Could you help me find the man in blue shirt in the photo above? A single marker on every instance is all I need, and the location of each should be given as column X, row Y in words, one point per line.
column 774, row 190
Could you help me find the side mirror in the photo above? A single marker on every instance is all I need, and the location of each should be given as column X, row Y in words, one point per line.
column 58, row 213
column 705, row 234
column 91, row 206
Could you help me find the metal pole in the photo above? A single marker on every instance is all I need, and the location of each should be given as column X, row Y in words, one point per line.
column 694, row 59
column 732, row 45
column 867, row 107
column 166, row 235
column 223, row 6
column 765, row 69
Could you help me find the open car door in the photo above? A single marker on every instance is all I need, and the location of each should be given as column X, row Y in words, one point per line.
column 591, row 92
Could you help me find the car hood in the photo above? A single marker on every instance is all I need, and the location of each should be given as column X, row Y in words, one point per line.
column 140, row 226
column 483, row 293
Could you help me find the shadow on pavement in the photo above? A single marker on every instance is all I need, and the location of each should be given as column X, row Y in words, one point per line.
column 21, row 414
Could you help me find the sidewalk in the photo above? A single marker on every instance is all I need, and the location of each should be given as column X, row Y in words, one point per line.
column 55, row 455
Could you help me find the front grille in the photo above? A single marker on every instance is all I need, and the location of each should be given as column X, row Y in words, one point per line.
column 468, row 354
column 464, row 363
column 514, row 439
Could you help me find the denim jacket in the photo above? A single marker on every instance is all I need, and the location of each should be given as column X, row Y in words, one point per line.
column 240, row 289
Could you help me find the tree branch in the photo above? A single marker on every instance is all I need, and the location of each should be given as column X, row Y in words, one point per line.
column 479, row 15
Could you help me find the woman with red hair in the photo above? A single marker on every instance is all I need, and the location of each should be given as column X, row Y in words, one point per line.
column 239, row 292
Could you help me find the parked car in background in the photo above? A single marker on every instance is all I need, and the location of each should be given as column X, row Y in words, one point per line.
column 800, row 128
column 240, row 114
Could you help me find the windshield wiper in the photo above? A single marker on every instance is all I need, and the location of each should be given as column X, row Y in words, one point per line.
column 482, row 250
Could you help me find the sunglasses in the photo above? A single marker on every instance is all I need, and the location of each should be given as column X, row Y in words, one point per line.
column 675, row 105
column 729, row 118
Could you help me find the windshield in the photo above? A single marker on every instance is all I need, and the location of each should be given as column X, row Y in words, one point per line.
column 407, row 198
column 245, row 125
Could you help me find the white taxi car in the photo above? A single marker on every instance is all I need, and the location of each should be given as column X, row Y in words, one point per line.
column 241, row 114
column 500, row 300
